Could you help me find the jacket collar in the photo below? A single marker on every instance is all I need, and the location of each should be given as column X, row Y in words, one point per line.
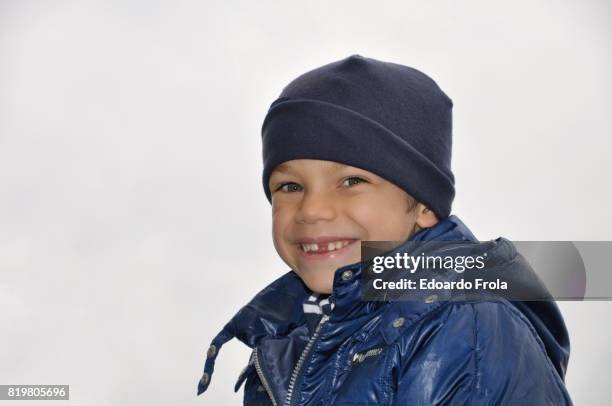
column 263, row 316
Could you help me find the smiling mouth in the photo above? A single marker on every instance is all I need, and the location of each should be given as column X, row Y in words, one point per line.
column 322, row 248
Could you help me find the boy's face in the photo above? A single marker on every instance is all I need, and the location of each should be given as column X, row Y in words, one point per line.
column 321, row 210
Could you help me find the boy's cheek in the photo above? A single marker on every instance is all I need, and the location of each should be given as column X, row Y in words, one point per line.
column 285, row 250
column 275, row 208
column 281, row 217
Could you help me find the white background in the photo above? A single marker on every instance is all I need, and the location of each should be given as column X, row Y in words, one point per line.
column 133, row 223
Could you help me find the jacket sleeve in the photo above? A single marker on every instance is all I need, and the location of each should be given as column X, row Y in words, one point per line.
column 480, row 353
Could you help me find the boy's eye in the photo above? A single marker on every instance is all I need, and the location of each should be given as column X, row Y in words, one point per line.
column 353, row 180
column 289, row 187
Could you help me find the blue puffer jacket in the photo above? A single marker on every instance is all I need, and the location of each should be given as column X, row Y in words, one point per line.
column 428, row 352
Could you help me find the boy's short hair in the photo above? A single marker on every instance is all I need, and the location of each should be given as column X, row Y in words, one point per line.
column 412, row 204
column 387, row 118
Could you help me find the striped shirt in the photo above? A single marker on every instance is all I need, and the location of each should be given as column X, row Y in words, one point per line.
column 315, row 306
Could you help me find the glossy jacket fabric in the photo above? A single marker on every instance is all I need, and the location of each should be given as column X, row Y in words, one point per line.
column 417, row 352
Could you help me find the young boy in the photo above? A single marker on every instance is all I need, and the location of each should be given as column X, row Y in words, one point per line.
column 358, row 150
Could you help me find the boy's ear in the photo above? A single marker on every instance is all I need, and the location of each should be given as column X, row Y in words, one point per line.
column 425, row 217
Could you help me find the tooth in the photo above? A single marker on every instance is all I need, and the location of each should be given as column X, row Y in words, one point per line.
column 331, row 246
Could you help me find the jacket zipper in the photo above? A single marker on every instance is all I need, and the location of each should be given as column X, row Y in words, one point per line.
column 298, row 366
column 262, row 377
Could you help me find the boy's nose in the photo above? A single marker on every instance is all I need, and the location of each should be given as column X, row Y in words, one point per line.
column 315, row 207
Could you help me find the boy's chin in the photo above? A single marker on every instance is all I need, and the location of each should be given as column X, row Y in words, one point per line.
column 319, row 283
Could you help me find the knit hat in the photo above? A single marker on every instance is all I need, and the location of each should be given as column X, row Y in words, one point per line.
column 386, row 118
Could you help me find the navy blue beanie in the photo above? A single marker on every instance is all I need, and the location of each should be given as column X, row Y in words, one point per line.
column 386, row 118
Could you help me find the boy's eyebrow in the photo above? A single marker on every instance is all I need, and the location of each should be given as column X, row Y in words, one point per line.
column 336, row 166
column 284, row 167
